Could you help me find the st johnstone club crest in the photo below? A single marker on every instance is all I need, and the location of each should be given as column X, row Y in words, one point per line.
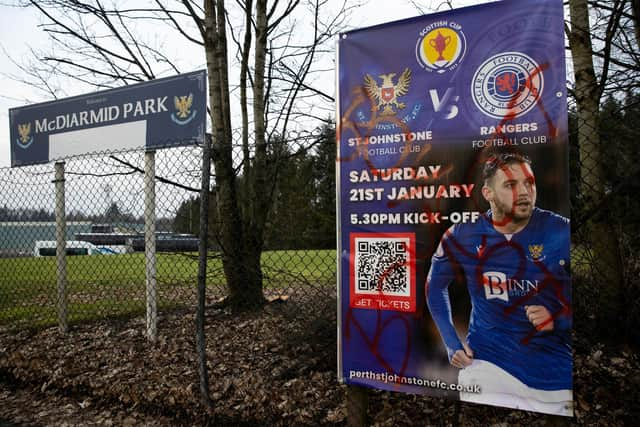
column 25, row 139
column 385, row 96
column 507, row 85
column 535, row 252
column 183, row 113
column 441, row 46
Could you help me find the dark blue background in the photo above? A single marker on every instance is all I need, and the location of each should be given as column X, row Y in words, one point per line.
column 532, row 27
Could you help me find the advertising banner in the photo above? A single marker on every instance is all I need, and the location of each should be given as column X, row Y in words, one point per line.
column 453, row 201
column 165, row 112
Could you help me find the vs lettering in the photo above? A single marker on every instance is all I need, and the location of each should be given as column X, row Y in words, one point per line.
column 445, row 105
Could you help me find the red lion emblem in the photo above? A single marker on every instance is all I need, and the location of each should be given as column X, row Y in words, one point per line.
column 506, row 82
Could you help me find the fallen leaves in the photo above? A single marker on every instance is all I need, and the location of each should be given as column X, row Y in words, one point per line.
column 273, row 367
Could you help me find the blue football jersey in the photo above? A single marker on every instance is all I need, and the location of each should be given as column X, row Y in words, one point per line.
column 504, row 274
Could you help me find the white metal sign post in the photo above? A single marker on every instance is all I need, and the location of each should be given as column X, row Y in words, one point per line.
column 150, row 242
column 61, row 247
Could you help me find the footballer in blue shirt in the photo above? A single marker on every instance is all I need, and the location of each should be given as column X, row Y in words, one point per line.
column 515, row 262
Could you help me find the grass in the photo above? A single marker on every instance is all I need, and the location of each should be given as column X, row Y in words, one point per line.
column 114, row 285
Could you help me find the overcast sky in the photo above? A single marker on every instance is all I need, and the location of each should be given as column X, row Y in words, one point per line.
column 19, row 32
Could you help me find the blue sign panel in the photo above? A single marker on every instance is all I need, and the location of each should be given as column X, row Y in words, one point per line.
column 165, row 112
column 453, row 206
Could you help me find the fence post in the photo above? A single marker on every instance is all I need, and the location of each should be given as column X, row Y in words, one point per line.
column 150, row 243
column 61, row 247
column 557, row 421
column 357, row 406
column 201, row 342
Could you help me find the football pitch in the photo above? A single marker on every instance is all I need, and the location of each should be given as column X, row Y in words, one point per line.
column 114, row 285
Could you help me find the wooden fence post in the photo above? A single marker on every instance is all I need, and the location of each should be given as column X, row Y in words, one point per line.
column 357, row 406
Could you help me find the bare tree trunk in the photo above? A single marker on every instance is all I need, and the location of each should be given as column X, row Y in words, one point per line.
column 604, row 243
column 635, row 5
column 245, row 289
column 244, row 75
column 222, row 154
column 241, row 212
column 249, row 293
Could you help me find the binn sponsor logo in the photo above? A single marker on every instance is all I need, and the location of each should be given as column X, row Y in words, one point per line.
column 498, row 286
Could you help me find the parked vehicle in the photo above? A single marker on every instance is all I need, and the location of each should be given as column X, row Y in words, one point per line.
column 77, row 247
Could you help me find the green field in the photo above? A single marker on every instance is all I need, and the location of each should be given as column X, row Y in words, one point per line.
column 114, row 285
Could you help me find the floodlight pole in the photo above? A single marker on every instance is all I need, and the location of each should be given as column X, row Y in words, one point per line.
column 150, row 243
column 61, row 247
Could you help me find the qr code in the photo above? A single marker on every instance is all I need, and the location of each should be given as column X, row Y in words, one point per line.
column 382, row 266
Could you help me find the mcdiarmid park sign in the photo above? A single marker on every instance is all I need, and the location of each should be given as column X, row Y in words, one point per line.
column 453, row 205
column 161, row 113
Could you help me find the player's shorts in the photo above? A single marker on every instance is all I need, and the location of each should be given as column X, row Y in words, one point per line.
column 499, row 388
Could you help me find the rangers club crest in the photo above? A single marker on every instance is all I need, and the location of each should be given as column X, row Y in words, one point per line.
column 507, row 85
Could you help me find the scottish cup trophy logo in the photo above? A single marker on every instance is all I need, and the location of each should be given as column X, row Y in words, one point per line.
column 441, row 46
column 440, row 43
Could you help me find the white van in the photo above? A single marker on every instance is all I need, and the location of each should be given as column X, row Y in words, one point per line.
column 77, row 247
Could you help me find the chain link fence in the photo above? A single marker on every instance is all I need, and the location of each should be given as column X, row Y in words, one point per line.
column 289, row 344
column 105, row 240
column 604, row 177
column 107, row 293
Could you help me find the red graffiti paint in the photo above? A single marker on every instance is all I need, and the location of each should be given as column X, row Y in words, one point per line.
column 361, row 131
